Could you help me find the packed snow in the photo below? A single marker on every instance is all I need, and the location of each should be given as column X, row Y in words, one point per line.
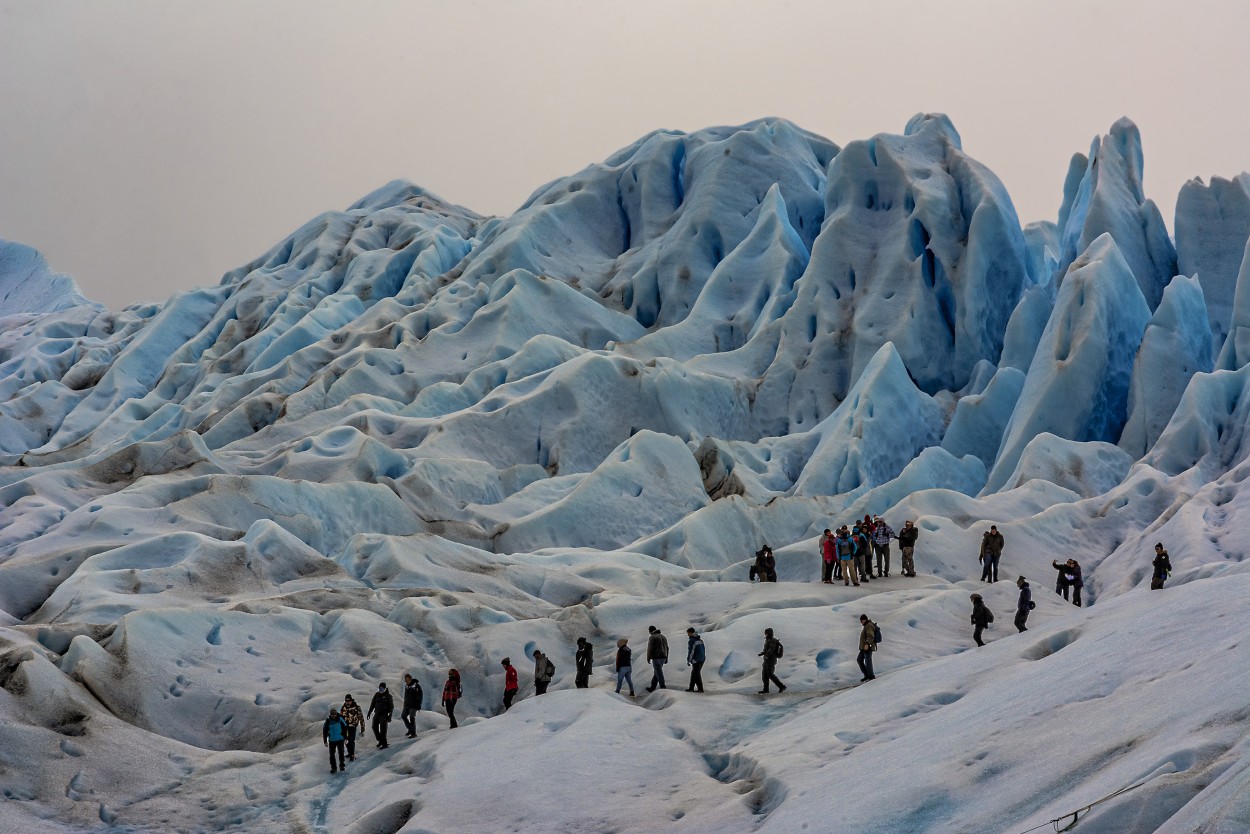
column 411, row 438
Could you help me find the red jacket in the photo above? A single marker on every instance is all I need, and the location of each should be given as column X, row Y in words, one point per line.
column 451, row 689
column 509, row 680
column 827, row 549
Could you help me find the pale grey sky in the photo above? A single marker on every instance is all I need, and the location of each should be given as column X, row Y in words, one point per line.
column 148, row 146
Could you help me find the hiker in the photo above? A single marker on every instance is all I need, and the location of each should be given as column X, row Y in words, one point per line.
column 451, row 694
column 510, row 685
column 1061, row 579
column 867, row 645
column 333, row 734
column 991, row 551
column 657, row 656
column 544, row 671
column 846, row 558
column 907, row 547
column 772, row 651
column 881, row 535
column 381, row 708
column 584, row 659
column 355, row 721
column 863, row 553
column 413, row 697
column 1162, row 568
column 828, row 555
column 696, row 654
column 982, row 616
column 765, row 567
column 1025, row 604
column 1075, row 581
column 624, row 665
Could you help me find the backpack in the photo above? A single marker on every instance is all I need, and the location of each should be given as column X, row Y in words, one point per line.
column 781, row 650
column 876, row 633
column 551, row 668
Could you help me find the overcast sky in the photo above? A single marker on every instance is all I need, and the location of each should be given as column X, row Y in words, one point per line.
column 148, row 146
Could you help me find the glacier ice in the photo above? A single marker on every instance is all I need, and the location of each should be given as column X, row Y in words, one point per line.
column 410, row 437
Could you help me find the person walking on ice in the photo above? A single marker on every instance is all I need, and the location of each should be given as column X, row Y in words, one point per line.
column 868, row 637
column 333, row 736
column 696, row 654
column 451, row 696
column 381, row 708
column 1162, row 565
column 981, row 618
column 991, row 551
column 907, row 547
column 624, row 665
column 544, row 671
column 413, row 696
column 510, row 685
column 585, row 661
column 773, row 651
column 1024, row 605
column 657, row 656
column 355, row 721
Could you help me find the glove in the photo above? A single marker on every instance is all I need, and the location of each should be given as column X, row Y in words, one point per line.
column 325, row 742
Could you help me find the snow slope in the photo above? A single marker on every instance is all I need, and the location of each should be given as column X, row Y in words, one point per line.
column 410, row 438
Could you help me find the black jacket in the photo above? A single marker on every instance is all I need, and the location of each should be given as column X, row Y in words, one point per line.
column 657, row 647
column 413, row 696
column 1162, row 565
column 980, row 614
column 770, row 652
column 907, row 536
column 382, row 704
column 585, row 657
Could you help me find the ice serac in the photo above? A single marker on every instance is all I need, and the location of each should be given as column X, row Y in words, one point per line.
column 1108, row 199
column 1235, row 352
column 1212, row 227
column 1087, row 468
column 751, row 287
column 1173, row 348
column 29, row 286
column 1077, row 385
column 921, row 247
column 882, row 425
column 977, row 426
column 1208, row 427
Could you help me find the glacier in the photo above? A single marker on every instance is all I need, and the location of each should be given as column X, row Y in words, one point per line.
column 410, row 437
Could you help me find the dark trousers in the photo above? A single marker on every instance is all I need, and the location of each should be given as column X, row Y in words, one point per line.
column 657, row 674
column 380, row 720
column 1061, row 587
column 883, row 558
column 864, row 561
column 1156, row 582
column 540, row 687
column 989, row 573
column 508, row 695
column 409, row 716
column 351, row 742
column 1021, row 618
column 451, row 712
column 976, row 635
column 1076, row 595
column 696, row 677
column 826, row 572
column 770, row 669
column 582, row 681
column 837, row 568
column 865, row 664
column 336, row 745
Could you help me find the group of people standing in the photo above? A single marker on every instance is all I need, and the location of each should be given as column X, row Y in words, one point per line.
column 848, row 554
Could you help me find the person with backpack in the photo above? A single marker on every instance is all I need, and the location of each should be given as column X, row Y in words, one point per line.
column 1061, row 579
column 1074, row 580
column 696, row 654
column 624, row 665
column 413, row 697
column 544, row 671
column 773, row 651
column 869, row 636
column 451, row 695
column 657, row 656
column 510, row 685
column 381, row 708
column 333, row 736
column 881, row 535
column 907, row 547
column 828, row 556
column 991, row 551
column 846, row 558
column 584, row 660
column 982, row 616
column 1162, row 565
column 863, row 553
column 1024, row 605
column 355, row 721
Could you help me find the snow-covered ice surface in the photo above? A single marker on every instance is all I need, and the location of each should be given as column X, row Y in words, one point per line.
column 410, row 437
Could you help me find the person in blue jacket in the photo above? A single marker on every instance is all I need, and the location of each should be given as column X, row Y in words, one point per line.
column 696, row 654
column 333, row 736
